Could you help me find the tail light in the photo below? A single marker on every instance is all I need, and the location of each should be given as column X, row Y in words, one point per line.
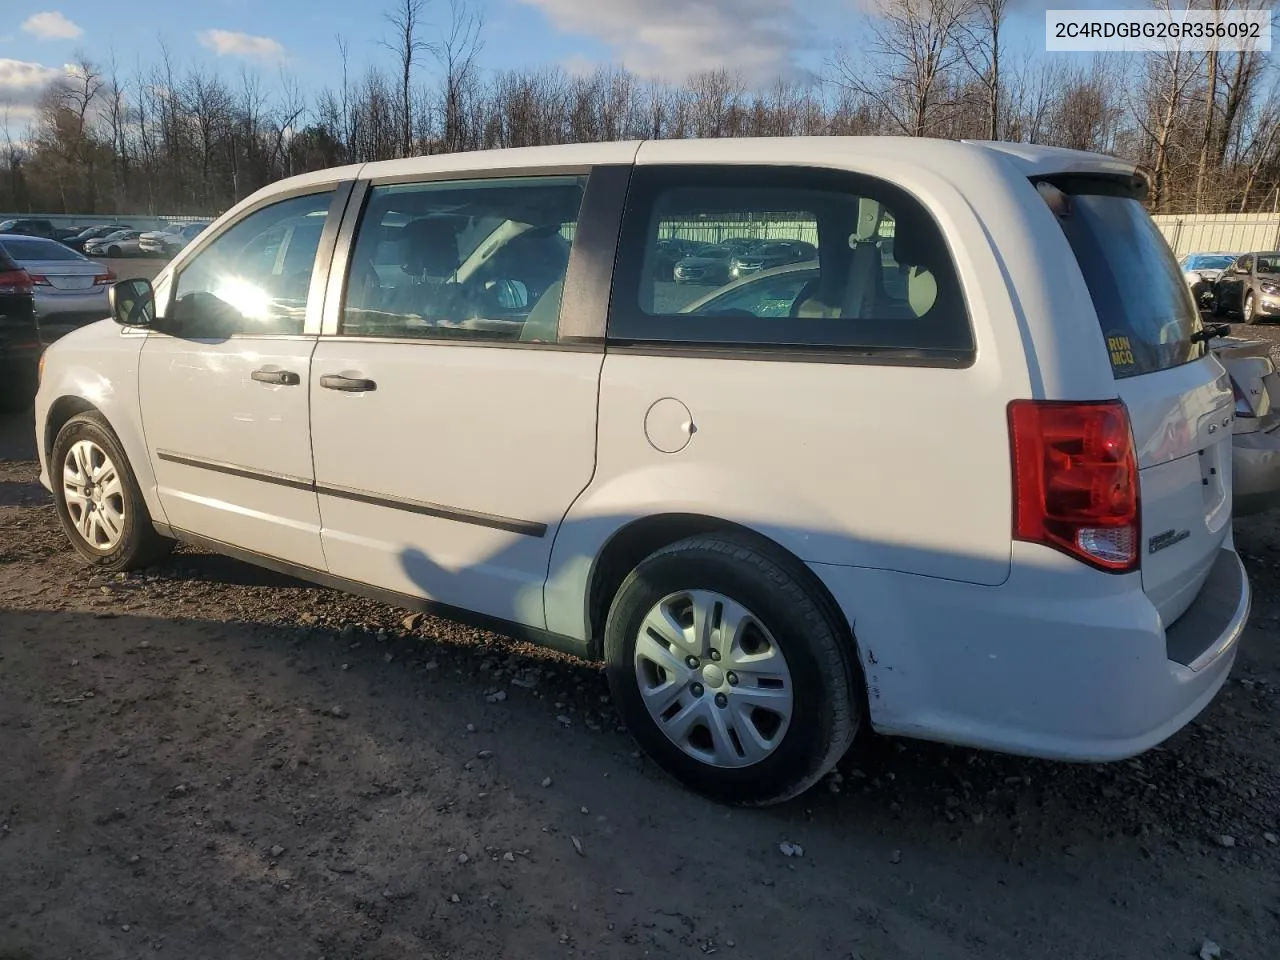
column 1075, row 480
column 15, row 281
column 39, row 280
column 102, row 278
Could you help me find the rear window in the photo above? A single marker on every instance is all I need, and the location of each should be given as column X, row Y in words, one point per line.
column 1142, row 301
column 29, row 249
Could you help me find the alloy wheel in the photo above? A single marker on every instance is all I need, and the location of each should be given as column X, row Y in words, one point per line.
column 713, row 678
column 94, row 495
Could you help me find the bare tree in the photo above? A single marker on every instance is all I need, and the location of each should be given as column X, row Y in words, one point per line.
column 456, row 52
column 980, row 50
column 405, row 21
column 914, row 43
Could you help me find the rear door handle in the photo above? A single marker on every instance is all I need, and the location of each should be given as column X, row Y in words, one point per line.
column 336, row 381
column 285, row 377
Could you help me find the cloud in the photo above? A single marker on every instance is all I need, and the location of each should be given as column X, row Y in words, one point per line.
column 228, row 43
column 22, row 83
column 676, row 38
column 51, row 25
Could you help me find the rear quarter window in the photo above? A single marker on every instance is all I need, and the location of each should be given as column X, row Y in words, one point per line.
column 874, row 277
column 1144, row 307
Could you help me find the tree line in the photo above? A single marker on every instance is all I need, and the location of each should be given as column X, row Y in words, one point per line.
column 163, row 139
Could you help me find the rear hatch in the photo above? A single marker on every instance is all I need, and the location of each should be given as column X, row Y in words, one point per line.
column 1178, row 395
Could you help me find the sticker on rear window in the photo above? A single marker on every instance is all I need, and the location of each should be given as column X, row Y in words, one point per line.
column 1121, row 352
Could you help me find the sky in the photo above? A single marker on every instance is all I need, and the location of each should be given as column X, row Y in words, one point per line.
column 670, row 38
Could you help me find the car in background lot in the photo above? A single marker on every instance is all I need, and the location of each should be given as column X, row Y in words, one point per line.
column 28, row 227
column 70, row 289
column 1201, row 271
column 19, row 336
column 768, row 255
column 121, row 243
column 78, row 240
column 708, row 265
column 669, row 251
column 1255, row 439
column 165, row 243
column 1250, row 288
column 707, row 502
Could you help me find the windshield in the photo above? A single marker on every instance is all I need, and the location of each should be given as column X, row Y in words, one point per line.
column 32, row 248
column 1143, row 305
column 1210, row 262
column 1268, row 263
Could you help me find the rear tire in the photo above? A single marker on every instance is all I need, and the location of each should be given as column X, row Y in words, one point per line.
column 754, row 709
column 98, row 499
column 1248, row 312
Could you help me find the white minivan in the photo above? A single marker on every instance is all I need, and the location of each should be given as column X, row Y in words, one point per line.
column 963, row 475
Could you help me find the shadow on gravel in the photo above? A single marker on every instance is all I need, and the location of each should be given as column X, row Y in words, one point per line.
column 20, row 493
column 186, row 564
column 251, row 789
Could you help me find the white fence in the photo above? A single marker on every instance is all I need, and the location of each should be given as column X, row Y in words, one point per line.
column 1220, row 232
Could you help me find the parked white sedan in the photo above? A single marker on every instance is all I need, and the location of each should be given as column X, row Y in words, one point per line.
column 70, row 289
column 122, row 243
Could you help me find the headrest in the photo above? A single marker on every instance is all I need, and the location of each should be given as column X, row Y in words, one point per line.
column 915, row 244
column 431, row 247
column 922, row 291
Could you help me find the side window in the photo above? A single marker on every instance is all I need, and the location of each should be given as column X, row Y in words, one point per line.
column 479, row 260
column 1245, row 264
column 778, row 257
column 255, row 277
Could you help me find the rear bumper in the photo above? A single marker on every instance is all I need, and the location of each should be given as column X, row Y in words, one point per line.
column 1255, row 471
column 1061, row 663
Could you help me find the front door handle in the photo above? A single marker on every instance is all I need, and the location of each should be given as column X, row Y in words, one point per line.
column 285, row 377
column 336, row 381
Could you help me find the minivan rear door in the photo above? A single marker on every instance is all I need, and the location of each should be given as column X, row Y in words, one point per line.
column 1178, row 395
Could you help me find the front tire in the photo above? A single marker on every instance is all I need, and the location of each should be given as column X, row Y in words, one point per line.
column 98, row 499
column 1248, row 312
column 730, row 670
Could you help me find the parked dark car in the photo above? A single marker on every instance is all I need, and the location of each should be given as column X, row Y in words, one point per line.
column 709, row 265
column 769, row 255
column 670, row 251
column 19, row 336
column 78, row 240
column 29, row 227
column 1249, row 288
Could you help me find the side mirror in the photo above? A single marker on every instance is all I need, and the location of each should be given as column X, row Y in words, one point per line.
column 133, row 303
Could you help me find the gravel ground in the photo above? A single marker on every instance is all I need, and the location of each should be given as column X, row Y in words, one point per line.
column 207, row 760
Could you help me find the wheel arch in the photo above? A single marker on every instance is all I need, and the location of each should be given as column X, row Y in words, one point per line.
column 60, row 411
column 630, row 543
column 127, row 431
